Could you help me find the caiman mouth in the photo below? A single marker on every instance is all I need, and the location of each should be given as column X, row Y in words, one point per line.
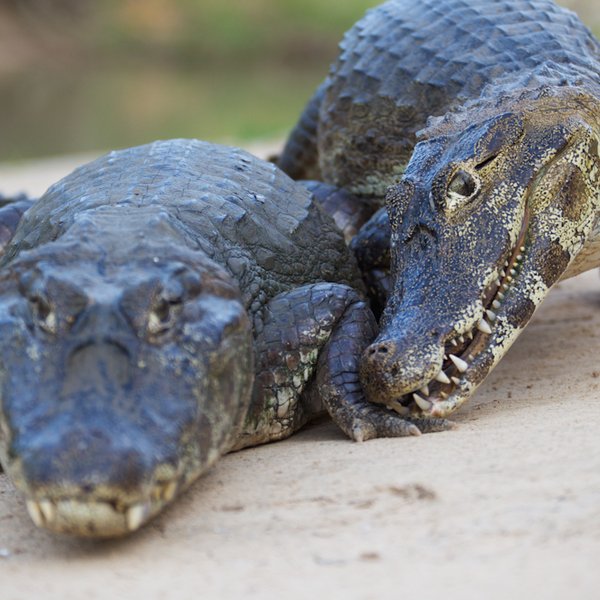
column 466, row 353
column 99, row 517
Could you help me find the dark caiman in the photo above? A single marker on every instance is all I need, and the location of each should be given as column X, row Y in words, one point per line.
column 159, row 307
column 480, row 119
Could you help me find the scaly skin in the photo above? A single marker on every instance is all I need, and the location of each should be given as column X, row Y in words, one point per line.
column 497, row 201
column 11, row 211
column 158, row 308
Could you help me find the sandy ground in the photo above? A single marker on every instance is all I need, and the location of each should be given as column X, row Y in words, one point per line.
column 506, row 506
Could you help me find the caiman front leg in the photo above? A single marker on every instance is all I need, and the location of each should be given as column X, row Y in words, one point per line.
column 308, row 346
column 11, row 211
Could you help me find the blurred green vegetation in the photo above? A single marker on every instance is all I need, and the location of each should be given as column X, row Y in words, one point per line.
column 82, row 75
column 123, row 72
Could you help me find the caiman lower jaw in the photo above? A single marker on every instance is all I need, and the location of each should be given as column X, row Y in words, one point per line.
column 469, row 356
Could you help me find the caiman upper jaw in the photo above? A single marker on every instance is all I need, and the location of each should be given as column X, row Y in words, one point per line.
column 98, row 518
column 455, row 368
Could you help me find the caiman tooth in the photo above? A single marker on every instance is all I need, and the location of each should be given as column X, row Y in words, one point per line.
column 501, row 295
column 48, row 509
column 399, row 408
column 454, row 342
column 425, row 390
column 461, row 339
column 442, row 377
column 422, row 403
column 484, row 326
column 522, row 248
column 496, row 304
column 169, row 491
column 455, row 380
column 35, row 512
column 513, row 272
column 470, row 335
column 519, row 257
column 459, row 363
column 491, row 315
column 135, row 515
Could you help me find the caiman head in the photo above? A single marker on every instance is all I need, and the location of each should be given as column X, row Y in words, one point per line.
column 123, row 375
column 484, row 222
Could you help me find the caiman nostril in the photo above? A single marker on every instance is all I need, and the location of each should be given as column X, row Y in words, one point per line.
column 378, row 349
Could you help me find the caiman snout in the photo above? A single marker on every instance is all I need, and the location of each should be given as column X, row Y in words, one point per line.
column 392, row 367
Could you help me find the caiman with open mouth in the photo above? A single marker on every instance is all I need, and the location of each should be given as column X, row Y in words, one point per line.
column 479, row 123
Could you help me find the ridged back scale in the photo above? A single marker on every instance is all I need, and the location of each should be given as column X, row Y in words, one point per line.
column 242, row 212
column 406, row 61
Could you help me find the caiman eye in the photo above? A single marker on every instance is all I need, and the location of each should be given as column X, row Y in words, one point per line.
column 462, row 187
column 42, row 312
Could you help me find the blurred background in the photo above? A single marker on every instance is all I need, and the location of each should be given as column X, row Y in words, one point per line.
column 84, row 75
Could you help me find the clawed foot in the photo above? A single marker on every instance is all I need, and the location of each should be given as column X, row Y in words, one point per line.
column 385, row 424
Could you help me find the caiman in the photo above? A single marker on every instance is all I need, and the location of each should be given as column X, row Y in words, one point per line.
column 478, row 123
column 159, row 307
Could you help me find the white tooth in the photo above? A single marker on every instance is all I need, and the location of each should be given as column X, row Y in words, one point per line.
column 445, row 357
column 496, row 304
column 399, row 408
column 33, row 508
column 522, row 248
column 513, row 272
column 135, row 515
column 491, row 315
column 501, row 295
column 425, row 390
column 454, row 342
column 48, row 509
column 471, row 357
column 455, row 380
column 423, row 404
column 503, row 273
column 509, row 279
column 460, row 364
column 506, row 263
column 505, row 286
column 443, row 395
column 519, row 257
column 484, row 326
column 461, row 339
column 442, row 377
column 498, row 283
column 169, row 491
column 470, row 335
